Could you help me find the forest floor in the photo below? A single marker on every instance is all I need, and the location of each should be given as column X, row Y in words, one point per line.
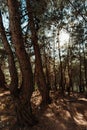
column 64, row 113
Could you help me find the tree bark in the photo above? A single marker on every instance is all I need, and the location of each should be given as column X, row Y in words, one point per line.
column 23, row 105
column 48, row 76
column 85, row 68
column 2, row 79
column 38, row 61
column 61, row 86
column 12, row 68
column 80, row 70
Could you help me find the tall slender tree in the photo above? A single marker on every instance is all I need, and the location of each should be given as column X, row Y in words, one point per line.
column 38, row 61
column 61, row 86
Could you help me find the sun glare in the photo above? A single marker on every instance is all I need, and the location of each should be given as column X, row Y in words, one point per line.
column 63, row 37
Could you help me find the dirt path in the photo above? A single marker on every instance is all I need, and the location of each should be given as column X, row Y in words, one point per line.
column 62, row 114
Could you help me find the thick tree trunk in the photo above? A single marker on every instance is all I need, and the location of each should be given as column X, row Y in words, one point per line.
column 25, row 116
column 23, row 101
column 12, row 68
column 38, row 61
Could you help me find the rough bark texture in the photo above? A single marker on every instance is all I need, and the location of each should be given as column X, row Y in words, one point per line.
column 38, row 61
column 23, row 101
column 12, row 68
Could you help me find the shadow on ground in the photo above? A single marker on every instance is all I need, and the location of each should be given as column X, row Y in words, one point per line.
column 68, row 113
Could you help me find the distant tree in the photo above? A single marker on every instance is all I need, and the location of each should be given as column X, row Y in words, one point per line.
column 61, row 68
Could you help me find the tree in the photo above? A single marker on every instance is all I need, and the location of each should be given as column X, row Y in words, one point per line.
column 12, row 68
column 51, row 19
column 41, row 81
column 61, row 67
column 22, row 98
column 2, row 79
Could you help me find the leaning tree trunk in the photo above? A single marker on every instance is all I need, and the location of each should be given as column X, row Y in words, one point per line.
column 22, row 102
column 38, row 61
column 12, row 68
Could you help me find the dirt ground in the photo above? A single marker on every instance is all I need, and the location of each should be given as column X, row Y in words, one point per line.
column 64, row 113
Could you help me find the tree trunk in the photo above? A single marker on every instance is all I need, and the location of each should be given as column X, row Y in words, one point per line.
column 48, row 77
column 2, row 79
column 47, row 68
column 22, row 102
column 12, row 68
column 69, row 69
column 80, row 70
column 85, row 69
column 38, row 61
column 61, row 87
column 54, row 68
